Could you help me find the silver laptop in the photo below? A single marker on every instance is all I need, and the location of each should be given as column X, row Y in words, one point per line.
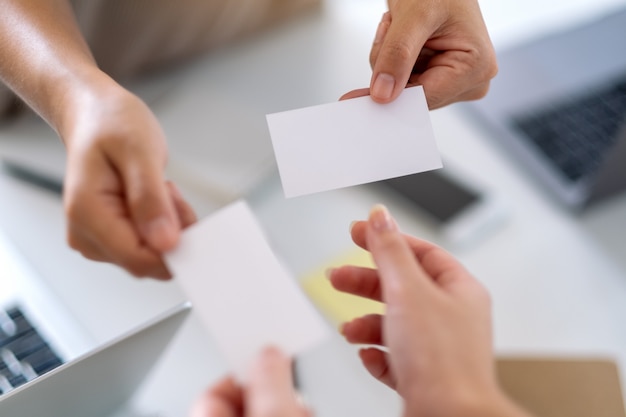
column 558, row 105
column 50, row 366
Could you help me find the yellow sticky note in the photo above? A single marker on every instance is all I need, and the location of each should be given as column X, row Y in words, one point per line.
column 337, row 306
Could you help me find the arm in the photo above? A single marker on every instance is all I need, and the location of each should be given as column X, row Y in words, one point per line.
column 436, row 333
column 436, row 330
column 44, row 56
column 119, row 207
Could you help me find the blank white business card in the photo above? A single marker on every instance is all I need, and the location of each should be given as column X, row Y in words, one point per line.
column 353, row 142
column 241, row 291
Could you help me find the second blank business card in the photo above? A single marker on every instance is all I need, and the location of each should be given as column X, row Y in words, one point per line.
column 241, row 291
column 353, row 142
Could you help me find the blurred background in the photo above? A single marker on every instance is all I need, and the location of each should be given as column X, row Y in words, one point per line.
column 557, row 276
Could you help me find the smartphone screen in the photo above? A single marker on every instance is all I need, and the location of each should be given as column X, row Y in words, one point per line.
column 437, row 194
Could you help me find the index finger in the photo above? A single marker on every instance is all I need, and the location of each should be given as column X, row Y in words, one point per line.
column 117, row 238
column 402, row 278
column 436, row 262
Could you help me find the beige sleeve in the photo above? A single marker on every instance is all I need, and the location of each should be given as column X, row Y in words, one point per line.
column 128, row 37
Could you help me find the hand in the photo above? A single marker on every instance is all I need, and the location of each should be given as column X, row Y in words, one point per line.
column 437, row 326
column 269, row 392
column 119, row 207
column 442, row 45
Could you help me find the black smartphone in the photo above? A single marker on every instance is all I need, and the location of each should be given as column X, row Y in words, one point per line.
column 459, row 207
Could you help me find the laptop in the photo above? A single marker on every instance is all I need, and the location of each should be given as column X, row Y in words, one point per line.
column 558, row 106
column 49, row 364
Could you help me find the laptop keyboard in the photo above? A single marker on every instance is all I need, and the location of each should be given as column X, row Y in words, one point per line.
column 24, row 354
column 576, row 134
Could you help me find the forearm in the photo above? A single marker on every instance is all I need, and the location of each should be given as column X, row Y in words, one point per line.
column 43, row 56
column 495, row 404
column 502, row 407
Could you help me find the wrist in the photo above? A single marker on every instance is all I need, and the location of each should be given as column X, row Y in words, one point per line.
column 57, row 87
column 78, row 97
column 500, row 405
column 491, row 403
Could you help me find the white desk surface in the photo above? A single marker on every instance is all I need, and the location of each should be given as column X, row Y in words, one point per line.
column 558, row 281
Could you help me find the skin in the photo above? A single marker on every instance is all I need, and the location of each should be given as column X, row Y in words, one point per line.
column 118, row 204
column 442, row 45
column 433, row 345
column 268, row 393
column 436, row 332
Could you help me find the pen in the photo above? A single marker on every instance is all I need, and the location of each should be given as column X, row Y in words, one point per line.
column 32, row 177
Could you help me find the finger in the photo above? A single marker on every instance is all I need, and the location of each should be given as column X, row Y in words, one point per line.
column 444, row 84
column 225, row 399
column 140, row 261
column 77, row 241
column 359, row 281
column 118, row 241
column 377, row 364
column 398, row 51
column 442, row 267
column 404, row 282
column 362, row 92
column 186, row 214
column 476, row 93
column 270, row 391
column 438, row 100
column 381, row 32
column 366, row 330
column 357, row 232
column 96, row 211
column 107, row 234
column 148, row 198
column 422, row 62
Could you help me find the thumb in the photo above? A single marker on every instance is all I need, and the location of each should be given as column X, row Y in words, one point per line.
column 149, row 202
column 270, row 389
column 396, row 48
column 403, row 280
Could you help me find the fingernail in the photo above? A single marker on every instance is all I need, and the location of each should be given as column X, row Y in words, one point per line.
column 352, row 225
column 342, row 329
column 383, row 86
column 380, row 219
